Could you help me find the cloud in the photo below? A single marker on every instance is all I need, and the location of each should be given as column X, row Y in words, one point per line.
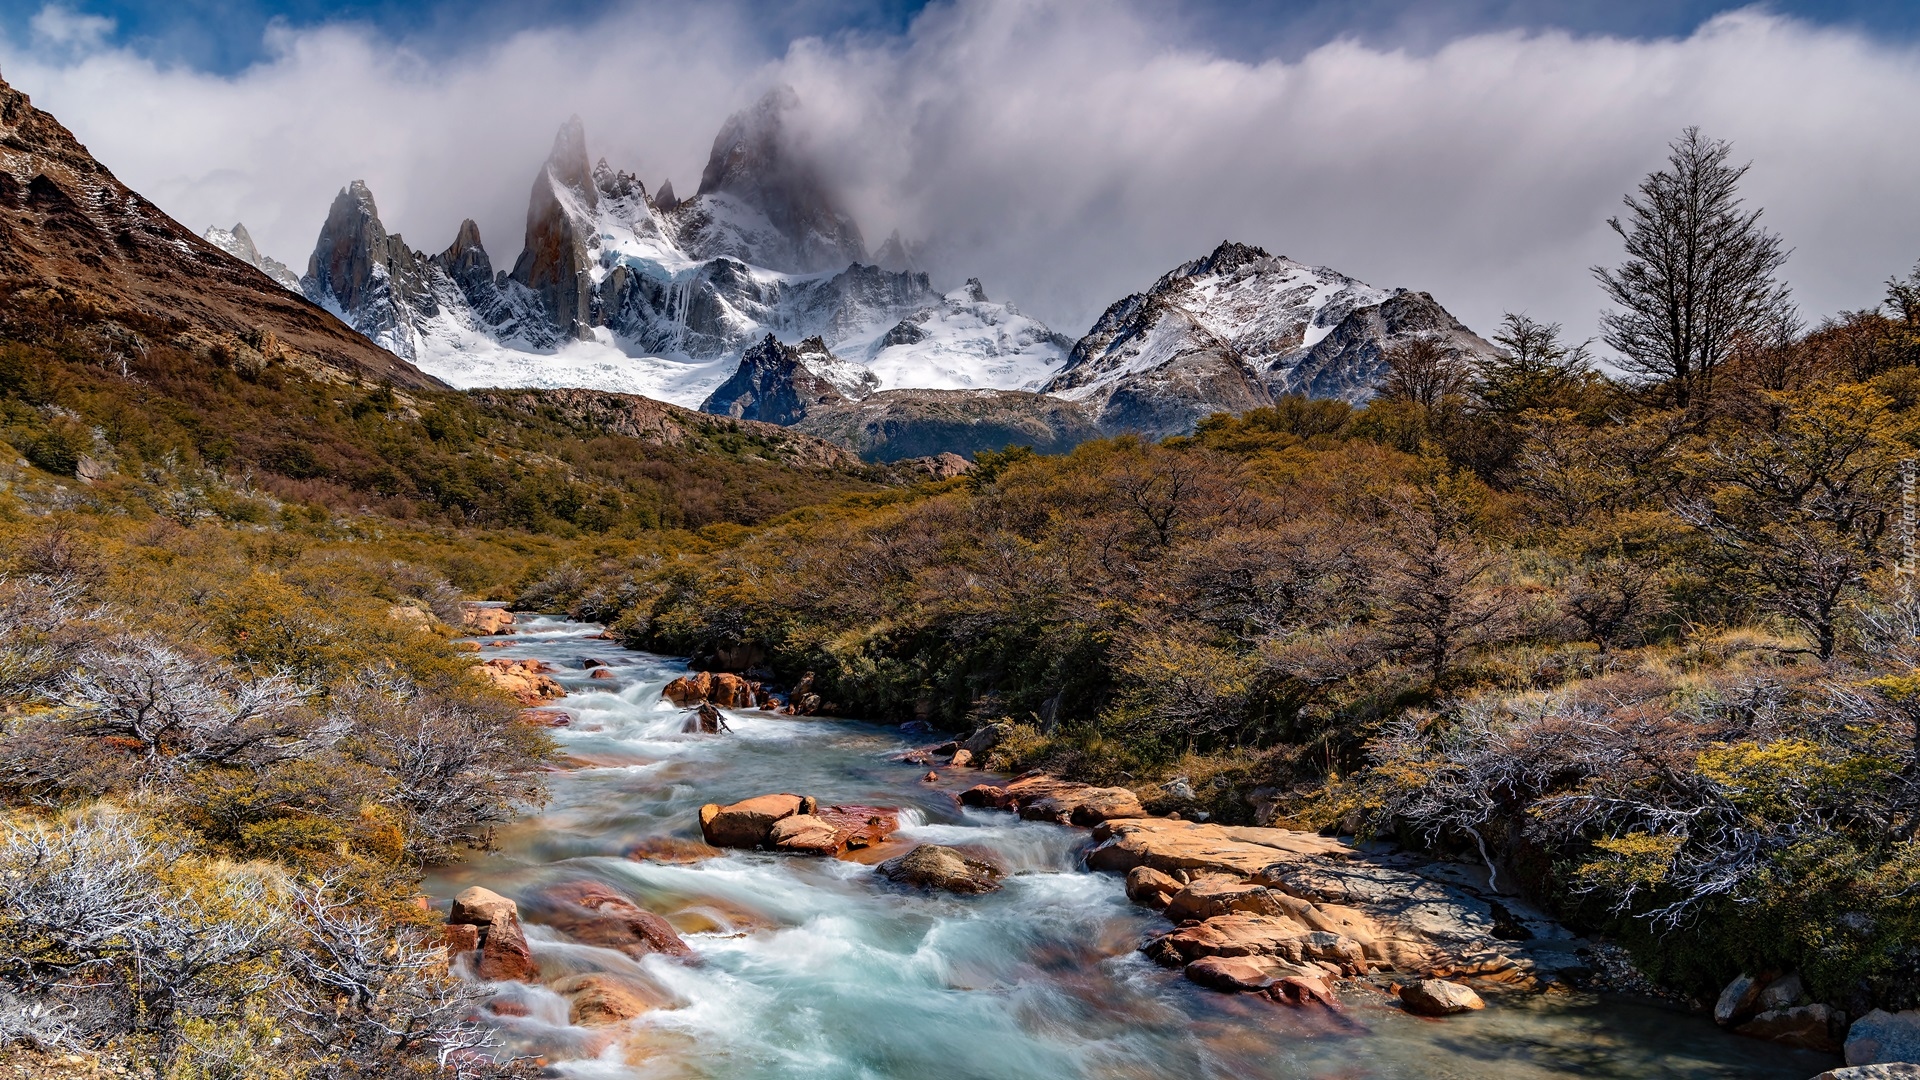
column 1067, row 154
column 62, row 28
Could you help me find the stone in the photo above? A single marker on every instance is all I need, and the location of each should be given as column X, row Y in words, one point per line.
column 749, row 823
column 601, row 673
column 413, row 614
column 1438, row 997
column 859, row 827
column 596, row 998
column 706, row 720
column 688, row 689
column 1299, row 990
column 546, row 717
column 503, row 951
column 462, row 938
column 930, row 778
column 1044, row 798
column 1238, row 974
column 961, row 758
column 987, row 796
column 1811, row 1027
column 525, row 681
column 1881, row 1037
column 1218, row 894
column 1782, row 993
column 594, row 914
column 1263, row 935
column 1739, row 1000
column 1148, row 886
column 1893, row 1070
column 987, row 738
column 805, row 834
column 484, row 620
column 931, row 866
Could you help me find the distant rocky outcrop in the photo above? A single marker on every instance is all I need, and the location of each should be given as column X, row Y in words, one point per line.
column 657, row 422
column 781, row 384
column 554, row 263
column 238, row 242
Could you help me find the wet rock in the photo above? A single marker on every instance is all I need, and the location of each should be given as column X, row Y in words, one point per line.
column 1882, row 1037
column 1300, row 990
column 484, row 620
column 670, row 849
column 859, row 827
column 1438, row 997
column 931, row 866
column 1265, row 935
column 917, row 757
column 1148, row 886
column 961, row 758
column 594, row 914
column 1238, row 974
column 525, row 681
column 805, row 834
column 461, row 938
column 749, row 823
column 987, row 796
column 589, row 663
column 595, row 998
column 706, row 720
column 1811, row 1027
column 725, row 690
column 601, row 673
column 930, row 778
column 1739, row 1000
column 546, row 717
column 1044, row 798
column 503, row 951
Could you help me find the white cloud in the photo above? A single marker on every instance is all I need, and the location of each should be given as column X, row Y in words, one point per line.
column 61, row 27
column 1067, row 154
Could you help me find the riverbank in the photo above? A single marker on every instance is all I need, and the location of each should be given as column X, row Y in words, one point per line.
column 817, row 968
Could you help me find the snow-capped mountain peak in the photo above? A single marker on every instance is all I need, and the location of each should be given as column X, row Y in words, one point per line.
column 238, row 243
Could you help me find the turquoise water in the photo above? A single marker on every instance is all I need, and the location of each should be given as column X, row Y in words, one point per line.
column 819, row 969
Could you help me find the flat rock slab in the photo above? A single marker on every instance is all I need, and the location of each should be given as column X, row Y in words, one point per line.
column 931, row 866
column 1399, row 917
column 1043, row 798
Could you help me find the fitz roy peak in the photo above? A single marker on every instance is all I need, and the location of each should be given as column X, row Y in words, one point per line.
column 617, row 290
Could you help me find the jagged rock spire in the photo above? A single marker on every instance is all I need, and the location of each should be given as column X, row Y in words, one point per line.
column 756, row 162
column 352, row 242
column 665, row 199
column 554, row 261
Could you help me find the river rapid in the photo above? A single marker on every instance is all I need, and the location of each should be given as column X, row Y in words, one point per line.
column 819, row 969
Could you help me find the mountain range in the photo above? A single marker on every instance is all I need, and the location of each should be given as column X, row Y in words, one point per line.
column 757, row 298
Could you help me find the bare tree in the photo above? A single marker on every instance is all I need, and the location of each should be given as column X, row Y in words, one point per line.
column 1423, row 371
column 1439, row 589
column 1699, row 272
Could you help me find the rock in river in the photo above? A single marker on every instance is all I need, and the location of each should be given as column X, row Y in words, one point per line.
column 749, row 823
column 1438, row 997
column 931, row 866
column 502, row 945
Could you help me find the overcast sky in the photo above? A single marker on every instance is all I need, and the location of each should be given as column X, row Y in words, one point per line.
column 1065, row 153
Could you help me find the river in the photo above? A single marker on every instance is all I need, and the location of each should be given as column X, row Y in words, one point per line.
column 819, row 969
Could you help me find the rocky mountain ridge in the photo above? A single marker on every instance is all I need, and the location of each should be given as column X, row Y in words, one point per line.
column 618, row 290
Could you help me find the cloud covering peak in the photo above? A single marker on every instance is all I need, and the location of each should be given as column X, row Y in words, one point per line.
column 1066, row 154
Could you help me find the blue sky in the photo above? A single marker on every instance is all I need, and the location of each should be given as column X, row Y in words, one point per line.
column 225, row 36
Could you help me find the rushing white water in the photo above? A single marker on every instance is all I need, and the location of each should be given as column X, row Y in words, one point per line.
column 819, row 969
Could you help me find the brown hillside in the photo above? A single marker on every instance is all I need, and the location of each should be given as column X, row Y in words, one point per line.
column 67, row 223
